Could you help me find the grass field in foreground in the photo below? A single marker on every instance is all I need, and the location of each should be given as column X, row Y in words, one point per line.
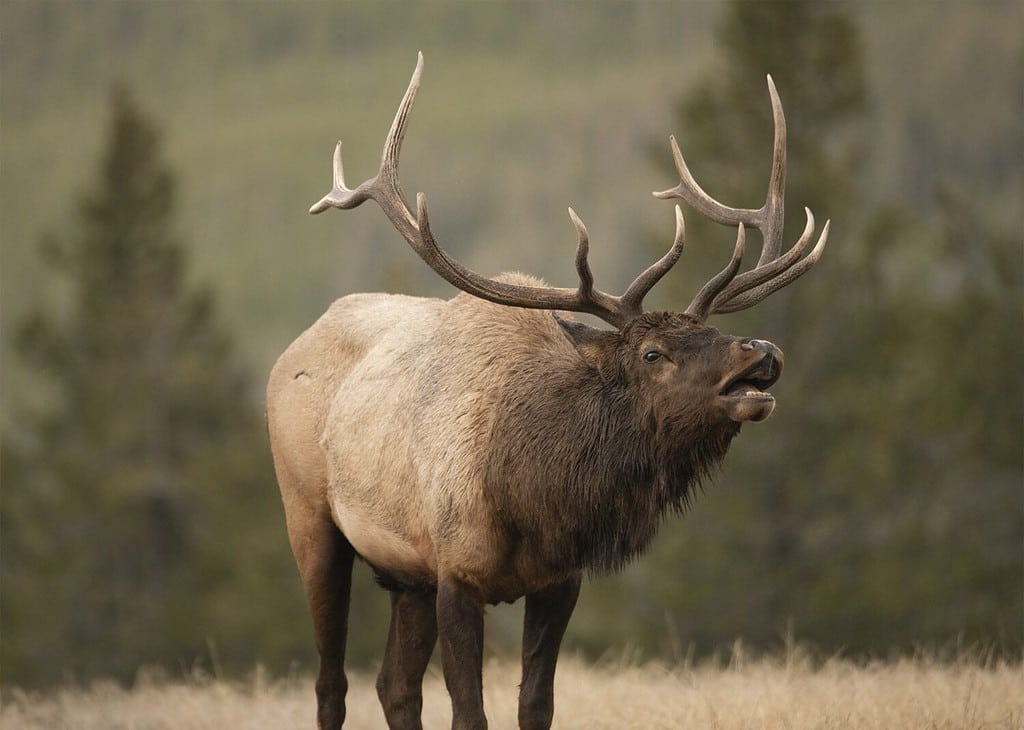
column 787, row 692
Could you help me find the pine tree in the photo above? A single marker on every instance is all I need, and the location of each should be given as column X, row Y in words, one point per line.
column 134, row 503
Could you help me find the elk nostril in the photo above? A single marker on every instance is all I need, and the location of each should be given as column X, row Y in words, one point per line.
column 762, row 345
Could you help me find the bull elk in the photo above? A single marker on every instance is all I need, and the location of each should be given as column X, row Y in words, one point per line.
column 486, row 448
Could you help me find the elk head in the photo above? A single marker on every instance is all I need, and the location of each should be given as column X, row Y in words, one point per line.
column 686, row 368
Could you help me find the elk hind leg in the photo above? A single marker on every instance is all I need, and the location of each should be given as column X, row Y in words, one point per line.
column 324, row 557
column 411, row 638
column 547, row 615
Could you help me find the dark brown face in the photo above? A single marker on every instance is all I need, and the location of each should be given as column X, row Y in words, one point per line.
column 696, row 372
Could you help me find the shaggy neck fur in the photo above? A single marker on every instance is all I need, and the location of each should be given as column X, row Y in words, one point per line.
column 586, row 486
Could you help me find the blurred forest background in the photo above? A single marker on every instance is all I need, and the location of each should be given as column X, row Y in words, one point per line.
column 156, row 164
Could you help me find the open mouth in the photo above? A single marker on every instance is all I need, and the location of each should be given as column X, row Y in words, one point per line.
column 746, row 397
column 755, row 380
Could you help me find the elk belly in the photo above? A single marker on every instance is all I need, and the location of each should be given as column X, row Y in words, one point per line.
column 383, row 548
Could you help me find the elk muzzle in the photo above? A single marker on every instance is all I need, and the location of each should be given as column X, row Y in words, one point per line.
column 744, row 393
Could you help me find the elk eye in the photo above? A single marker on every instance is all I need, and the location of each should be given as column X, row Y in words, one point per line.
column 652, row 356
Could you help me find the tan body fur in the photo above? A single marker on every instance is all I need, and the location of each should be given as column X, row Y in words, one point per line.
column 378, row 414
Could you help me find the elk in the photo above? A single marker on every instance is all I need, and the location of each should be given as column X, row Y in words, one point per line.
column 489, row 447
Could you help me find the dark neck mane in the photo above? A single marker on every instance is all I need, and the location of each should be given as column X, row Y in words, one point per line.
column 583, row 474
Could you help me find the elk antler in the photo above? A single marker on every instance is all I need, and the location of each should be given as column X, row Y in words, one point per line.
column 728, row 292
column 384, row 188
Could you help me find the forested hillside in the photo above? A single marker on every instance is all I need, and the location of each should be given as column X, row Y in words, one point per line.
column 880, row 507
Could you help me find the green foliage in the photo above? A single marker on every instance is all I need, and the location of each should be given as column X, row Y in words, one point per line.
column 142, row 517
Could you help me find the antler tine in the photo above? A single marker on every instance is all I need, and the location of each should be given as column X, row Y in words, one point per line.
column 690, row 190
column 701, row 306
column 340, row 196
column 586, row 287
column 384, row 187
column 773, row 211
column 634, row 295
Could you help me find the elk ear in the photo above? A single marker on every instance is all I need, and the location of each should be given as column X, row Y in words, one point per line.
column 589, row 341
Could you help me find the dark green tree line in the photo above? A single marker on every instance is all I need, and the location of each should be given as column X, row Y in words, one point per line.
column 141, row 522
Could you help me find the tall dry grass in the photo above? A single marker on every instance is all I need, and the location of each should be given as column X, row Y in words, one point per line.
column 789, row 692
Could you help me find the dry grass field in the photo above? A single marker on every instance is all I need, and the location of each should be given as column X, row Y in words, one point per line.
column 787, row 692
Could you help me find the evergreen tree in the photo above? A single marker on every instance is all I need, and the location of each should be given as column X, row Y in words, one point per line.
column 141, row 516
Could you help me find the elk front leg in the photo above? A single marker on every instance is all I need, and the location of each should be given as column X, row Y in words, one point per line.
column 460, row 625
column 411, row 639
column 547, row 615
